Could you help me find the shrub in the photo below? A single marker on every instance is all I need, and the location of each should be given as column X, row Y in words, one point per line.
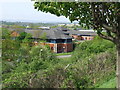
column 95, row 46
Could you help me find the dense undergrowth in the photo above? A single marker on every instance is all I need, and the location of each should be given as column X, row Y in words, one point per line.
column 92, row 64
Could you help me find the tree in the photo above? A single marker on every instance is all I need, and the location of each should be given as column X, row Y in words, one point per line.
column 98, row 15
column 22, row 36
column 5, row 33
column 43, row 37
column 28, row 38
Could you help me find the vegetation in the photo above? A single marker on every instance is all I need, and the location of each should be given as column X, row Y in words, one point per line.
column 25, row 24
column 111, row 84
column 68, row 53
column 97, row 15
column 23, row 66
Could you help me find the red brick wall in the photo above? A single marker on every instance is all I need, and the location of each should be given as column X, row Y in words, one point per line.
column 82, row 37
column 51, row 46
column 69, row 47
column 61, row 47
column 76, row 37
column 87, row 37
column 14, row 34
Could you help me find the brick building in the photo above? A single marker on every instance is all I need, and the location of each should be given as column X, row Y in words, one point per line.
column 59, row 39
column 56, row 39
column 82, row 35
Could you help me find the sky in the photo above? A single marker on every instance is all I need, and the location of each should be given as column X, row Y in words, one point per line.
column 23, row 10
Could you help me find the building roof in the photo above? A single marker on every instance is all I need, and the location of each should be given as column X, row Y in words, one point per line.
column 57, row 34
column 61, row 28
column 18, row 30
column 71, row 32
column 80, row 32
column 50, row 34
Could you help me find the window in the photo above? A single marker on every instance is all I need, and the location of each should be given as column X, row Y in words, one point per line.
column 60, row 40
column 66, row 33
column 51, row 40
column 69, row 40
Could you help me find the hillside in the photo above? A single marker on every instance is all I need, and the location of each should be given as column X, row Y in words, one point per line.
column 109, row 84
column 92, row 65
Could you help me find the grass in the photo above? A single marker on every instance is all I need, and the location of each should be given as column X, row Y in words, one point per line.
column 65, row 61
column 59, row 54
column 110, row 84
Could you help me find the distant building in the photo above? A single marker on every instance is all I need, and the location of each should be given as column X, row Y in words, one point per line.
column 59, row 42
column 16, row 33
column 61, row 25
column 59, row 39
column 56, row 39
column 78, row 35
column 70, row 25
column 44, row 28
column 82, row 37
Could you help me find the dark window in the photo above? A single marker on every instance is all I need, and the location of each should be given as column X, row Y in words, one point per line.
column 69, row 40
column 64, row 30
column 51, row 40
column 63, row 40
column 60, row 40
column 66, row 33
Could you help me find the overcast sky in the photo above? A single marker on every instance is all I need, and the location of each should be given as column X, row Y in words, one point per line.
column 23, row 10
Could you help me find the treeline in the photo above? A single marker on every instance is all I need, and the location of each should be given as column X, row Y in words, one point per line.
column 92, row 63
column 27, row 24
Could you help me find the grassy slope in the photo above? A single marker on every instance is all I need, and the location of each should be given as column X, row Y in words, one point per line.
column 59, row 54
column 109, row 84
column 66, row 63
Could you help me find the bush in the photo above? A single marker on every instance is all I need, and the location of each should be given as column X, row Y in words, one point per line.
column 85, row 49
column 92, row 63
column 37, row 58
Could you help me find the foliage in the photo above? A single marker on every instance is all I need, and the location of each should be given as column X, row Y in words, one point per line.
column 87, row 14
column 59, row 54
column 90, row 72
column 91, row 47
column 111, row 84
column 97, row 15
column 37, row 67
column 43, row 37
column 27, row 38
column 24, row 24
column 34, row 59
column 17, row 26
column 5, row 33
column 10, row 49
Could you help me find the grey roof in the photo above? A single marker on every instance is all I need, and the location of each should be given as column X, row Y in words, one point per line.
column 18, row 30
column 34, row 33
column 55, row 33
column 82, row 32
column 50, row 34
column 61, row 28
column 59, row 33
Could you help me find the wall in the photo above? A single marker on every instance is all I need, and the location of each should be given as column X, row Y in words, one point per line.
column 77, row 37
column 59, row 47
column 14, row 34
column 87, row 38
column 64, row 47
